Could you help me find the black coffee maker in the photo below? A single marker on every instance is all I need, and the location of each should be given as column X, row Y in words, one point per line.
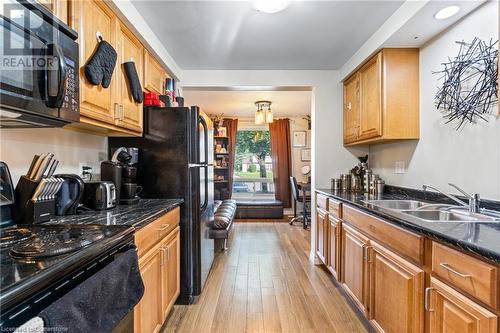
column 122, row 171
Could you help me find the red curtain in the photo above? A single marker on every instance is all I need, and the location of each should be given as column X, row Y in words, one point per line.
column 231, row 126
column 279, row 131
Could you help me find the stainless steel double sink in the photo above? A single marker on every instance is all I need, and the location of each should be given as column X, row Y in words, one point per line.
column 429, row 212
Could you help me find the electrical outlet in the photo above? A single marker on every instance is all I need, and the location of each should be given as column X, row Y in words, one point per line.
column 400, row 167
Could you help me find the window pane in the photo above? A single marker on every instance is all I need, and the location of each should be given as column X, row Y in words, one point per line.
column 253, row 167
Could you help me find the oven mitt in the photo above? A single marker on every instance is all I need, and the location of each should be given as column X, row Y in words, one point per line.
column 99, row 69
column 133, row 81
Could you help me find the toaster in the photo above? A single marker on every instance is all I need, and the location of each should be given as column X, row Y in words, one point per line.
column 99, row 195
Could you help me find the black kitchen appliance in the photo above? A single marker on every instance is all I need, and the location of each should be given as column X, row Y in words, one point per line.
column 39, row 85
column 40, row 264
column 99, row 195
column 176, row 161
column 69, row 196
column 112, row 171
column 126, row 158
column 6, row 196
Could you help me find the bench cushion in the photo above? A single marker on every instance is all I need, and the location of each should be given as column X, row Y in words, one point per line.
column 224, row 214
column 259, row 209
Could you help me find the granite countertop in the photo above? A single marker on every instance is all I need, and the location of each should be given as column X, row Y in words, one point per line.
column 138, row 215
column 481, row 238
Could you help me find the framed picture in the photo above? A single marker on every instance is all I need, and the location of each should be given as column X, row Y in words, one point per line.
column 222, row 131
column 305, row 155
column 299, row 138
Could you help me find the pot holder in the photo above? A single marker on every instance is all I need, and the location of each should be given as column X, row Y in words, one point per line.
column 133, row 81
column 99, row 69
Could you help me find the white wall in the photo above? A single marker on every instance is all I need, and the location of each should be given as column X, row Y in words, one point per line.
column 17, row 147
column 299, row 124
column 470, row 157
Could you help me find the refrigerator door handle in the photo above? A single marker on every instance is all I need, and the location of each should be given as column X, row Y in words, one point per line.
column 196, row 165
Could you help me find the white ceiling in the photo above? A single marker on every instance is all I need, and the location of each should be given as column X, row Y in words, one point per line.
column 240, row 104
column 233, row 35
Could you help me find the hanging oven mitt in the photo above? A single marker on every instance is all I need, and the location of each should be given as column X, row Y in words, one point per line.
column 133, row 81
column 99, row 69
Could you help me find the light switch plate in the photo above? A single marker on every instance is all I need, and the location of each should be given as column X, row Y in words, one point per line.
column 400, row 167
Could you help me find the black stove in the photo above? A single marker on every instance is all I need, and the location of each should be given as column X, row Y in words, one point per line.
column 40, row 258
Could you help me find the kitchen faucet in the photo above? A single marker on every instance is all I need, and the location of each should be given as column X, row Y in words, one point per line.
column 474, row 200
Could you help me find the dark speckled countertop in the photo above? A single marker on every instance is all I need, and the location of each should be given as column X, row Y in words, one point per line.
column 481, row 238
column 138, row 215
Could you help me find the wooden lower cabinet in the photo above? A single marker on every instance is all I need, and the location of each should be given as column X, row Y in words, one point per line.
column 170, row 272
column 396, row 289
column 321, row 234
column 354, row 266
column 333, row 242
column 450, row 311
column 160, row 271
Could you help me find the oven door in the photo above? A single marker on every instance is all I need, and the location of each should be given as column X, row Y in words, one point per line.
column 38, row 58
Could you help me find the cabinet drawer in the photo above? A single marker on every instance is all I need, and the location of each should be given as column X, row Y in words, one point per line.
column 322, row 201
column 402, row 241
column 150, row 235
column 334, row 208
column 469, row 274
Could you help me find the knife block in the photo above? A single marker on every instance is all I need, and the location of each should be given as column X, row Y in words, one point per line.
column 28, row 211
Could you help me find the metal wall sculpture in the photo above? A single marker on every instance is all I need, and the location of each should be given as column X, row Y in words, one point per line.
column 470, row 83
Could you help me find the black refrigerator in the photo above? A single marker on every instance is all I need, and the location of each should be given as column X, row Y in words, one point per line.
column 176, row 161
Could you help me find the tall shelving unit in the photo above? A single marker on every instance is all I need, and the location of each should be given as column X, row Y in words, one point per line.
column 221, row 167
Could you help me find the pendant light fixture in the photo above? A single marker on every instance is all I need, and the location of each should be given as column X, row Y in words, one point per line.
column 264, row 114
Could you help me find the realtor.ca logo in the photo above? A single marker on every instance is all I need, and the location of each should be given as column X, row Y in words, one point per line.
column 23, row 46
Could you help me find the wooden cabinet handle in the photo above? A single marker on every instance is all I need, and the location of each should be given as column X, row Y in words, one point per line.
column 448, row 268
column 122, row 114
column 115, row 114
column 163, row 261
column 164, row 227
column 427, row 299
column 366, row 255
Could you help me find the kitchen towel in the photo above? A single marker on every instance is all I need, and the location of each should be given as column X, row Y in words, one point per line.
column 99, row 69
column 133, row 81
column 99, row 303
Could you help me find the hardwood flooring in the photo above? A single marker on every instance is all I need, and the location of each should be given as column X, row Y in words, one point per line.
column 265, row 282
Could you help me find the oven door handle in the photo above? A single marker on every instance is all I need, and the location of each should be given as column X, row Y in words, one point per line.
column 56, row 81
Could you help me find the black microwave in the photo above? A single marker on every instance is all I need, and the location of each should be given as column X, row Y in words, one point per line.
column 39, row 84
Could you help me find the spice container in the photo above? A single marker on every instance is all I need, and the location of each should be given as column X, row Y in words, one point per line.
column 345, row 180
column 379, row 186
column 336, row 184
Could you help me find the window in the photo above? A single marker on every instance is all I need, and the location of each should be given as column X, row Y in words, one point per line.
column 253, row 167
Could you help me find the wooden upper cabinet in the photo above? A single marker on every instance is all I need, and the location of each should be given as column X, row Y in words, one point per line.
column 396, row 292
column 58, row 7
column 130, row 113
column 370, row 83
column 89, row 18
column 351, row 109
column 354, row 268
column 449, row 311
column 386, row 105
column 154, row 74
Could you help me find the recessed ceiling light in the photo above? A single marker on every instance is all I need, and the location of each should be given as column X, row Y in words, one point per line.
column 270, row 6
column 446, row 12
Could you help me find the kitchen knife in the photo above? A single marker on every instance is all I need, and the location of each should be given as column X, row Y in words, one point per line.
column 37, row 166
column 49, row 166
column 46, row 190
column 38, row 191
column 53, row 167
column 32, row 165
column 43, row 167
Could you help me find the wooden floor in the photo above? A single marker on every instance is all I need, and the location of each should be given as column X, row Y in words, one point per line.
column 266, row 283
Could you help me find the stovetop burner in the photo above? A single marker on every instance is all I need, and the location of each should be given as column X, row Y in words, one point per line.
column 12, row 236
column 51, row 243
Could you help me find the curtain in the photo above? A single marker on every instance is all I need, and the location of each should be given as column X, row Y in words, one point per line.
column 231, row 126
column 279, row 131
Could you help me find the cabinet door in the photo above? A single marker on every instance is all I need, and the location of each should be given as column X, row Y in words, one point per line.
column 370, row 80
column 154, row 75
column 451, row 311
column 148, row 317
column 129, row 49
column 396, row 292
column 334, row 246
column 89, row 18
column 354, row 268
column 170, row 272
column 58, row 7
column 351, row 109
column 321, row 234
